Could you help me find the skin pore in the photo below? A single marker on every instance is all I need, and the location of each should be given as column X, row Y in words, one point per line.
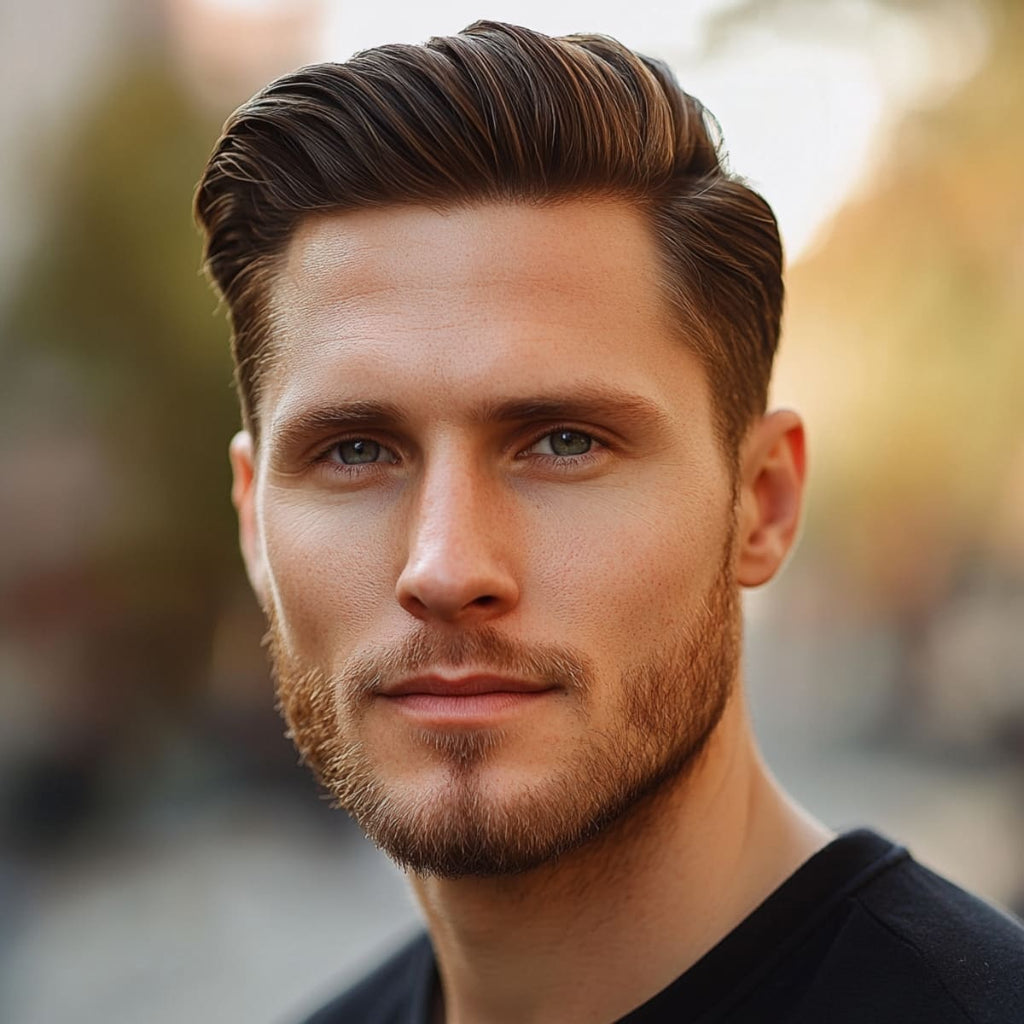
column 485, row 455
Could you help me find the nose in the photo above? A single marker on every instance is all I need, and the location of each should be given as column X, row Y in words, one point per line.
column 457, row 570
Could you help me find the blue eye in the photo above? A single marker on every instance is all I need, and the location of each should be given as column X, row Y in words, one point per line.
column 564, row 443
column 361, row 451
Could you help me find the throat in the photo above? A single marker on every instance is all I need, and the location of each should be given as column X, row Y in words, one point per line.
column 600, row 930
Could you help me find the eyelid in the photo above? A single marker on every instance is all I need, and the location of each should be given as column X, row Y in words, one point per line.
column 321, row 454
column 599, row 442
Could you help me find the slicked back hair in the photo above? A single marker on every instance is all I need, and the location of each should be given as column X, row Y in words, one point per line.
column 500, row 113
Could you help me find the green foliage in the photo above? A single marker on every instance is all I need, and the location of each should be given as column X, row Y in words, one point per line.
column 115, row 299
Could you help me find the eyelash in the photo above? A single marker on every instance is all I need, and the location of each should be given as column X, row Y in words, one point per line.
column 352, row 470
column 566, row 462
column 562, row 462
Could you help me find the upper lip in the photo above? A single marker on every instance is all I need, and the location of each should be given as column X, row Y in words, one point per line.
column 462, row 686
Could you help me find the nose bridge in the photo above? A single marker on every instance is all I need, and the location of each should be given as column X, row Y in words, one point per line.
column 446, row 518
column 456, row 567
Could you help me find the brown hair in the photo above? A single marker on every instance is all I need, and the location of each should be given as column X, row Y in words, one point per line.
column 500, row 113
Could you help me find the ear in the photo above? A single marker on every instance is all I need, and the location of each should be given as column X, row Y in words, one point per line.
column 772, row 470
column 243, row 496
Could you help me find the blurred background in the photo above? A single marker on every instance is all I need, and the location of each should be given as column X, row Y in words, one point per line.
column 162, row 858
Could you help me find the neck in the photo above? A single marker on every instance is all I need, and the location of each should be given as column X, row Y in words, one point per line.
column 592, row 936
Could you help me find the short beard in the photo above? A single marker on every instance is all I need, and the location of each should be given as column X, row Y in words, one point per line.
column 669, row 708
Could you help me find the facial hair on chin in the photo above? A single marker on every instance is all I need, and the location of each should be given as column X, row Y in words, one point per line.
column 670, row 706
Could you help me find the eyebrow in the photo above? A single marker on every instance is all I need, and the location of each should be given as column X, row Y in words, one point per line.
column 293, row 431
column 582, row 402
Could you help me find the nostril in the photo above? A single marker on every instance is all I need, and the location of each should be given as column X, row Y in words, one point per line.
column 485, row 600
column 414, row 605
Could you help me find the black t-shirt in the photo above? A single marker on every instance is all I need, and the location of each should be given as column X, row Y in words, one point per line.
column 860, row 934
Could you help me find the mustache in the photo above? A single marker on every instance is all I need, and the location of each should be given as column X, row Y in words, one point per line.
column 484, row 649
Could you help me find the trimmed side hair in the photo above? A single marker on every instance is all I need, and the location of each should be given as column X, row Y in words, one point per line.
column 500, row 113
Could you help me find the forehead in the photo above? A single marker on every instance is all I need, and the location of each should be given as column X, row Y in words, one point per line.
column 476, row 300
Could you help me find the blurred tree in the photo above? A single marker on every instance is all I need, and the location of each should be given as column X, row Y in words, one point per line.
column 917, row 285
column 923, row 278
column 112, row 336
column 904, row 326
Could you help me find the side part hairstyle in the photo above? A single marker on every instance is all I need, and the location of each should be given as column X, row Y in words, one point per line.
column 500, row 113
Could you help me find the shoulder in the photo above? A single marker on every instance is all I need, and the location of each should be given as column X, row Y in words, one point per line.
column 875, row 936
column 396, row 992
column 964, row 952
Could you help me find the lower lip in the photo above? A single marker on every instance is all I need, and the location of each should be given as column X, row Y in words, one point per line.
column 469, row 707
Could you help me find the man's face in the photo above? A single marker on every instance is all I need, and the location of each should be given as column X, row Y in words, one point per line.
column 491, row 525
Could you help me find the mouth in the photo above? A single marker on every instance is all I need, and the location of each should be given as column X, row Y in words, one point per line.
column 467, row 699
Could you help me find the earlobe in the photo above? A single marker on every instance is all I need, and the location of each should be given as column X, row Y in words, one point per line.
column 243, row 496
column 772, row 470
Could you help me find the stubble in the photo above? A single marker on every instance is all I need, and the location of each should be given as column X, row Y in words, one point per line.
column 669, row 706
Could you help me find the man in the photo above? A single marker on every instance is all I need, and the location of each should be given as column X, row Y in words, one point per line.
column 504, row 329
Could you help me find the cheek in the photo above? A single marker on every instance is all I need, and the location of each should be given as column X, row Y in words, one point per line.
column 634, row 565
column 329, row 569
